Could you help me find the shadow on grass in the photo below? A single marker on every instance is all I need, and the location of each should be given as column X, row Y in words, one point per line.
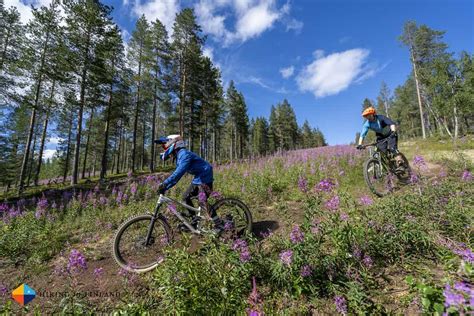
column 263, row 228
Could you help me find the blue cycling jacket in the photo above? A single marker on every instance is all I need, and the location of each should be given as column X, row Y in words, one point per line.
column 378, row 126
column 187, row 161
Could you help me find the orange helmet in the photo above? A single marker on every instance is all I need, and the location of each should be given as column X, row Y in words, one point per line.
column 368, row 111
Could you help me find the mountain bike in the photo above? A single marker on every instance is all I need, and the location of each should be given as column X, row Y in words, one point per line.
column 381, row 172
column 139, row 242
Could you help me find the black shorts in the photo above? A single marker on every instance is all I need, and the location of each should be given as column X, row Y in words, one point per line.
column 193, row 190
column 391, row 144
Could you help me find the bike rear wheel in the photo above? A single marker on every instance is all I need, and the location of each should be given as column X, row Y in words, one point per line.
column 405, row 175
column 236, row 216
column 378, row 178
column 131, row 250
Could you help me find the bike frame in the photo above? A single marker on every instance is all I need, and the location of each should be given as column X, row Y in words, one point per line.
column 167, row 200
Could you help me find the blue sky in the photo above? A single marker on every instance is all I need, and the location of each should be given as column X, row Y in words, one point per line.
column 323, row 56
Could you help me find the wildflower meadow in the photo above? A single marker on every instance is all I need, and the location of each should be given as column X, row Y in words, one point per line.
column 321, row 243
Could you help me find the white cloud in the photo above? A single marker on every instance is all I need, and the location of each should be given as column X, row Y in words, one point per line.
column 318, row 53
column 334, row 73
column 252, row 18
column 256, row 20
column 24, row 7
column 208, row 52
column 55, row 140
column 287, row 72
column 294, row 25
column 210, row 23
column 164, row 10
column 48, row 153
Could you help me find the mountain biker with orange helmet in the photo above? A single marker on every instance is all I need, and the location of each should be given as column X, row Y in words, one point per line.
column 383, row 128
column 189, row 162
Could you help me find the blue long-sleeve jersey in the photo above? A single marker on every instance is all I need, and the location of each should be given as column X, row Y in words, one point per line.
column 187, row 161
column 379, row 126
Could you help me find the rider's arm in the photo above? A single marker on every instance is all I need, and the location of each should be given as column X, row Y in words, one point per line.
column 365, row 130
column 389, row 122
column 182, row 167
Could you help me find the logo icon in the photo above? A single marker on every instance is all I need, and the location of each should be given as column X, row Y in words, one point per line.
column 23, row 294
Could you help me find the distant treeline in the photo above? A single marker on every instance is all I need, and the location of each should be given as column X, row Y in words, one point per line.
column 438, row 95
column 68, row 73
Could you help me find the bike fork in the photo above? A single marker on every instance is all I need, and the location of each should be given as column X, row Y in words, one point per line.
column 152, row 224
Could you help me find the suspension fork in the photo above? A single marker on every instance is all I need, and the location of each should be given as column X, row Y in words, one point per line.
column 154, row 217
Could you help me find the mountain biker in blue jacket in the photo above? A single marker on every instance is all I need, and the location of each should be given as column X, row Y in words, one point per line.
column 188, row 162
column 383, row 128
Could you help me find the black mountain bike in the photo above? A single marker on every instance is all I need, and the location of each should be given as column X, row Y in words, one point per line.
column 139, row 242
column 381, row 172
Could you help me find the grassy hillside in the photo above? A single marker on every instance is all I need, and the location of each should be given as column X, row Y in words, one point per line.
column 321, row 244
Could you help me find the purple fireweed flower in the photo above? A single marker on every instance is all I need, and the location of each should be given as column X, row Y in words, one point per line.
column 245, row 255
column 286, row 257
column 452, row 298
column 103, row 200
column 419, row 162
column 464, row 287
column 333, row 203
column 238, row 244
column 216, row 195
column 302, row 184
column 296, row 235
column 356, row 252
column 442, row 173
column 129, row 174
column 306, row 271
column 228, row 225
column 133, row 188
column 3, row 290
column 414, row 178
column 365, row 200
column 466, row 176
column 315, row 226
column 341, row 305
column 41, row 207
column 325, row 185
column 367, row 261
column 344, row 217
column 119, row 198
column 76, row 262
column 254, row 300
column 466, row 254
column 172, row 208
column 202, row 197
column 98, row 272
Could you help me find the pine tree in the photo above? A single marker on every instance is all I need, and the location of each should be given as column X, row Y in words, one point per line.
column 86, row 22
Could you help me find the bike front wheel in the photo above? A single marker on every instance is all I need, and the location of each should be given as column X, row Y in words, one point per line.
column 134, row 249
column 236, row 216
column 377, row 177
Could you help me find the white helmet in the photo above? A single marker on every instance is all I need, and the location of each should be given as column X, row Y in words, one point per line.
column 170, row 143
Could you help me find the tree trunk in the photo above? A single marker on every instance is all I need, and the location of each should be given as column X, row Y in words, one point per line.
column 103, row 164
column 33, row 114
column 43, row 136
column 182, row 100
column 135, row 122
column 117, row 166
column 153, row 131
column 32, row 161
column 5, row 47
column 68, row 151
column 87, row 144
column 418, row 94
column 82, row 102
column 142, row 165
